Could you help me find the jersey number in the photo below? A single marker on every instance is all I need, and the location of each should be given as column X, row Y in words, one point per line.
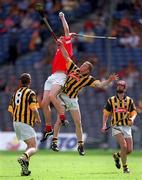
column 18, row 98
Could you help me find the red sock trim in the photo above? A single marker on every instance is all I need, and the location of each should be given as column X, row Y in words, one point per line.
column 62, row 117
column 48, row 128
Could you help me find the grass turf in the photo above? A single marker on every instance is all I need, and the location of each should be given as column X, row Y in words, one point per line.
column 48, row 165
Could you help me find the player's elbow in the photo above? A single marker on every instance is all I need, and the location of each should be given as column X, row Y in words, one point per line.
column 98, row 85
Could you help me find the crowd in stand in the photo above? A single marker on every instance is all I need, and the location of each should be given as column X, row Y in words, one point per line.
column 23, row 31
column 21, row 26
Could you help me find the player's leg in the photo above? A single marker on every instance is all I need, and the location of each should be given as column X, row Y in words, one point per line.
column 76, row 115
column 59, row 81
column 46, row 107
column 129, row 142
column 25, row 158
column 77, row 120
column 45, row 104
column 26, row 133
column 123, row 150
column 57, row 126
column 55, row 90
column 127, row 135
column 31, row 147
column 115, row 132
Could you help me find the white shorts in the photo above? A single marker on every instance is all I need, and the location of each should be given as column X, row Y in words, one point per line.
column 56, row 78
column 69, row 103
column 23, row 131
column 125, row 130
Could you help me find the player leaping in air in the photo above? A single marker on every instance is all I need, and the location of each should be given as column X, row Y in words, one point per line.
column 54, row 82
column 78, row 78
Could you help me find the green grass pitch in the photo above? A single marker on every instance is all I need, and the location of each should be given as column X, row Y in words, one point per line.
column 48, row 165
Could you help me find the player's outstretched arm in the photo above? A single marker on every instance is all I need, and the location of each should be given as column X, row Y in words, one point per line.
column 106, row 83
column 63, row 50
column 65, row 24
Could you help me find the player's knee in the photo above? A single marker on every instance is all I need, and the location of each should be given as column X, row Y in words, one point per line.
column 52, row 96
column 129, row 151
column 124, row 147
column 44, row 103
column 32, row 144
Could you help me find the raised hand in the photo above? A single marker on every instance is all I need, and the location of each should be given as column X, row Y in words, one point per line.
column 73, row 34
column 61, row 14
column 113, row 77
column 103, row 130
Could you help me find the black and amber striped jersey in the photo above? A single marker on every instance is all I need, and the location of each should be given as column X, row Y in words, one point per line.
column 119, row 108
column 22, row 103
column 76, row 81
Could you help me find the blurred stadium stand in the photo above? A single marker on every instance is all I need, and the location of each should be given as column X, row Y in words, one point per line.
column 110, row 54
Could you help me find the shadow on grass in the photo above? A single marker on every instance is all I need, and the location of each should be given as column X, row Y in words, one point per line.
column 104, row 173
column 9, row 176
column 100, row 173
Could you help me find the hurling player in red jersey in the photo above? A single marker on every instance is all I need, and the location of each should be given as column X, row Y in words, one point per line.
column 57, row 79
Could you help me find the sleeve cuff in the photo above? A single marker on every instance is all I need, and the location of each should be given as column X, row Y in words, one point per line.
column 10, row 109
column 134, row 112
column 34, row 106
column 107, row 113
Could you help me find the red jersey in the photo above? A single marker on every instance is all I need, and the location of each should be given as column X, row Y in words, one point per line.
column 59, row 62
